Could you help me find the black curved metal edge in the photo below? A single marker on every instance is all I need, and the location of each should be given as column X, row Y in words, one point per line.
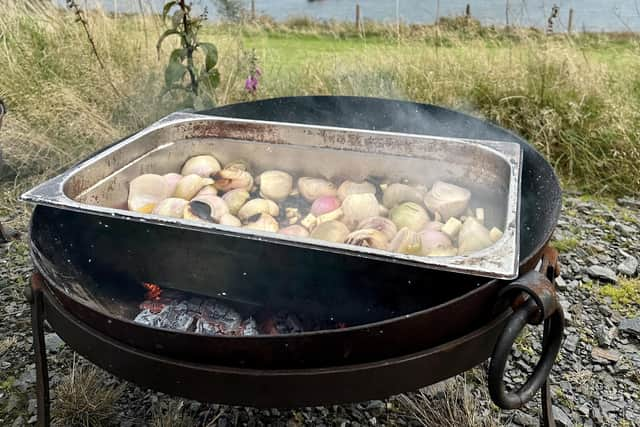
column 273, row 388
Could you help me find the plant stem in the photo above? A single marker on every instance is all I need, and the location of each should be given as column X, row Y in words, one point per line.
column 189, row 46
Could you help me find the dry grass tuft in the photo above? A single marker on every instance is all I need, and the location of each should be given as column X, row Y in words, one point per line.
column 458, row 404
column 83, row 400
column 7, row 343
column 171, row 414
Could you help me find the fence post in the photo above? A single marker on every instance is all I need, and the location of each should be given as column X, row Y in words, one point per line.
column 506, row 13
column 357, row 16
column 570, row 24
column 253, row 10
column 467, row 11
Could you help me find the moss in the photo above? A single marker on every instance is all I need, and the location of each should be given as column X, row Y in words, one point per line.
column 566, row 245
column 625, row 296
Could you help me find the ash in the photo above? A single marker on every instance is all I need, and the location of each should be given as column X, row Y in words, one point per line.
column 198, row 315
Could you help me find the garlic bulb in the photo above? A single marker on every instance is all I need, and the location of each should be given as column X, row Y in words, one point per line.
column 358, row 207
column 204, row 166
column 348, row 188
column 257, row 206
column 396, row 194
column 146, row 191
column 275, row 185
column 447, row 199
column 172, row 207
column 473, row 237
column 410, row 215
column 312, row 188
column 331, row 231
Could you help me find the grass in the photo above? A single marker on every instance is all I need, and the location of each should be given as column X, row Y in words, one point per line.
column 459, row 405
column 566, row 245
column 83, row 400
column 625, row 296
column 576, row 99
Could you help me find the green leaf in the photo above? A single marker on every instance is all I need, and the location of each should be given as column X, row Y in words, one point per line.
column 174, row 73
column 178, row 55
column 211, row 78
column 167, row 7
column 164, row 36
column 176, row 19
column 210, row 55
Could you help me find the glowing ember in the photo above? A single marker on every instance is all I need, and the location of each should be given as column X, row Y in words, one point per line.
column 154, row 291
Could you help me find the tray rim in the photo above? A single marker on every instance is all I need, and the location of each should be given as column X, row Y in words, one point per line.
column 51, row 193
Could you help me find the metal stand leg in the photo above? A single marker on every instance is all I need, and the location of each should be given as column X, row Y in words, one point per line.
column 34, row 296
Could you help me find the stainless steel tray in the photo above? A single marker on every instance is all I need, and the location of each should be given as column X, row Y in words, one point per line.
column 490, row 169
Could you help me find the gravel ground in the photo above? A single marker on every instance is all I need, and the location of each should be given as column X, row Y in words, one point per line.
column 596, row 380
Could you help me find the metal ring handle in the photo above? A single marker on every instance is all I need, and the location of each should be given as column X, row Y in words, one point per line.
column 552, row 338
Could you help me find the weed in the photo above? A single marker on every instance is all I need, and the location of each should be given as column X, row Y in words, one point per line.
column 83, row 400
column 566, row 245
column 625, row 296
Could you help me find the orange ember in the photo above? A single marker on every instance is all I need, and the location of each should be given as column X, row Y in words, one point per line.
column 154, row 291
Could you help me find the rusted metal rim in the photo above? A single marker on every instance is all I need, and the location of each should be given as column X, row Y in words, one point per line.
column 274, row 388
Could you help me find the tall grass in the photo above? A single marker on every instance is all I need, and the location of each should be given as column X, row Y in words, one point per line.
column 577, row 100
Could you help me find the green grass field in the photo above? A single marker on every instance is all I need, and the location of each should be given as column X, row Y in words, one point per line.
column 577, row 99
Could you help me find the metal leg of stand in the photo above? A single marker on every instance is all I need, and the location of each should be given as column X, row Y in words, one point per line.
column 547, row 407
column 34, row 296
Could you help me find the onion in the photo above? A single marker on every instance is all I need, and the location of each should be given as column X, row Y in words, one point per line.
column 348, row 188
column 312, row 188
column 257, row 206
column 331, row 231
column 473, row 237
column 447, row 199
column 189, row 186
column 431, row 240
column 275, row 185
column 410, row 215
column 396, row 194
column 228, row 219
column 358, row 207
column 217, row 205
column 381, row 224
column 235, row 199
column 146, row 191
column 172, row 207
column 204, row 166
column 172, row 180
column 294, row 230
column 324, row 204
column 265, row 222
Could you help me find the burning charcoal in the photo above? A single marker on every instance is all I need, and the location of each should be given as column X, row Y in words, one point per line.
column 148, row 318
column 178, row 317
column 218, row 319
column 282, row 323
column 249, row 328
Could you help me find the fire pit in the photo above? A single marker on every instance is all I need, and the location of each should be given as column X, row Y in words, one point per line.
column 382, row 336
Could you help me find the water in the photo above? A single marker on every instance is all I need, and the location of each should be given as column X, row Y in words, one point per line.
column 589, row 15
